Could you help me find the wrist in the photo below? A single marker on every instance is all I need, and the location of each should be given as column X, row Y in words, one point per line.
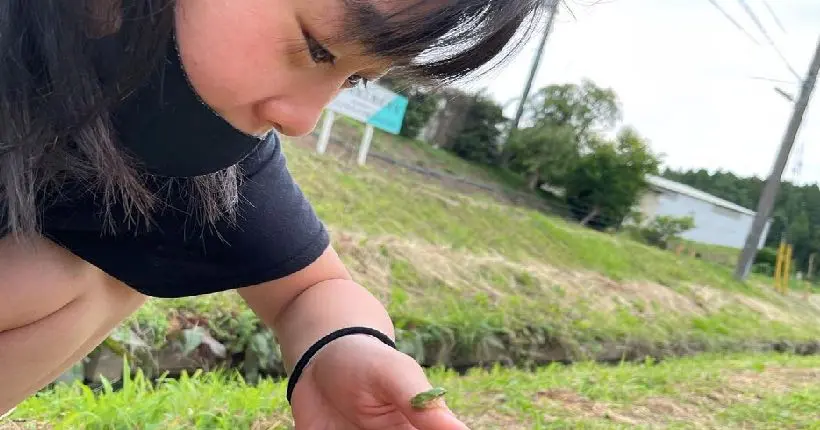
column 321, row 310
column 360, row 338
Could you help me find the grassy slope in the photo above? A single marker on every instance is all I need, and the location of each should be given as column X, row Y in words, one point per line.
column 467, row 278
column 424, row 155
column 515, row 251
column 470, row 280
column 765, row 391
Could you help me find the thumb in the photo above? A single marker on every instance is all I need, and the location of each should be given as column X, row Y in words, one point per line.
column 401, row 383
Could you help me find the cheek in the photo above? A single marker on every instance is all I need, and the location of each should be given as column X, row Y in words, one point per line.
column 235, row 53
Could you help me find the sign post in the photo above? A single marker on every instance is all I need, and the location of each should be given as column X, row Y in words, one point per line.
column 364, row 147
column 373, row 105
column 324, row 138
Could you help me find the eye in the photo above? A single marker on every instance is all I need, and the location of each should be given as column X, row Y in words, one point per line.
column 318, row 53
column 355, row 81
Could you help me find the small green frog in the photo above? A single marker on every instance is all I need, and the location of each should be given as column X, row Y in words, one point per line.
column 426, row 398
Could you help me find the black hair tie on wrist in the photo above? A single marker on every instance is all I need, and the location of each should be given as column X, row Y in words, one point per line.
column 305, row 359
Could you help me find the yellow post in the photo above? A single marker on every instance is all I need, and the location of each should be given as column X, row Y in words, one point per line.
column 778, row 265
column 787, row 267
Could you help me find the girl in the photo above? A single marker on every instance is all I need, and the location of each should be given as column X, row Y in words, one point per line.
column 139, row 157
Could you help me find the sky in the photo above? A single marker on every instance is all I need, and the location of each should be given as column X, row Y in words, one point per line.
column 687, row 78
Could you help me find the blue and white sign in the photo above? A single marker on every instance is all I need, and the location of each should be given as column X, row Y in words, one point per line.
column 374, row 105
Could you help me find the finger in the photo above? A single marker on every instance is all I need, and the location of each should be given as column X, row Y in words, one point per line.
column 402, row 382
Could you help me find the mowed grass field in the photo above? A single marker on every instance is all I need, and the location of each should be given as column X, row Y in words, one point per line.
column 710, row 391
column 470, row 280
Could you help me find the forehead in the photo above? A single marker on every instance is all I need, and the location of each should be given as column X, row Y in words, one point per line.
column 387, row 31
column 352, row 20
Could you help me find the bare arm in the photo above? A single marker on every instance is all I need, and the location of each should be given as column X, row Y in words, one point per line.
column 309, row 304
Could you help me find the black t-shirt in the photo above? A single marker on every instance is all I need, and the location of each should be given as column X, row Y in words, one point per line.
column 276, row 233
column 166, row 126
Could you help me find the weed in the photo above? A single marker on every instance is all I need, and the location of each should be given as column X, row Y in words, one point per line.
column 711, row 391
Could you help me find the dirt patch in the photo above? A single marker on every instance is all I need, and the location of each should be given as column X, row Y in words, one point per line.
column 494, row 420
column 774, row 380
column 655, row 411
column 575, row 406
column 697, row 409
column 712, row 299
column 643, row 297
column 663, row 411
column 272, row 424
column 700, row 409
column 573, row 402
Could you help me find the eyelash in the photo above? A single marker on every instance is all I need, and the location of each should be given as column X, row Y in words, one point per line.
column 318, row 54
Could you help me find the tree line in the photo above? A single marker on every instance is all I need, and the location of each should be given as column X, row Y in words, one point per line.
column 570, row 138
column 796, row 215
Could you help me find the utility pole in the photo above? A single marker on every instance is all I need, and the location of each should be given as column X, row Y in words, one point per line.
column 772, row 185
column 553, row 11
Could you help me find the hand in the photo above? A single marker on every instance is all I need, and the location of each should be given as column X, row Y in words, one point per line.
column 359, row 383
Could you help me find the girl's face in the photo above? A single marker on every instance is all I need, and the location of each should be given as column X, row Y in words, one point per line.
column 264, row 64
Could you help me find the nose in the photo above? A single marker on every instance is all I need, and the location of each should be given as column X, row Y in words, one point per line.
column 295, row 115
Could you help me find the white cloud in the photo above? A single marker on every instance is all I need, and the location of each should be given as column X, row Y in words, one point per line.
column 684, row 76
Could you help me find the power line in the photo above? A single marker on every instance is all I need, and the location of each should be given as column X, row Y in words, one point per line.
column 774, row 16
column 732, row 20
column 534, row 68
column 762, row 29
column 778, row 81
column 772, row 185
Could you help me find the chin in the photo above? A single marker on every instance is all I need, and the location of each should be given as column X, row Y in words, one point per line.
column 262, row 130
column 256, row 130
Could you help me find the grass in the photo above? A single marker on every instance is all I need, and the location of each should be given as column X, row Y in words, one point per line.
column 709, row 391
column 368, row 201
column 724, row 255
column 469, row 280
column 424, row 155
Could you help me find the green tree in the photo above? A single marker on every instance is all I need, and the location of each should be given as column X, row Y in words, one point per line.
column 420, row 107
column 796, row 214
column 609, row 179
column 563, row 120
column 665, row 228
column 586, row 108
column 544, row 153
column 479, row 136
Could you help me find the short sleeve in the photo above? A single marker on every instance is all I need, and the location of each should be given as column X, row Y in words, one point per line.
column 276, row 233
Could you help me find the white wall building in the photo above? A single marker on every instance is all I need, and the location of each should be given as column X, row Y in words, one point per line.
column 717, row 221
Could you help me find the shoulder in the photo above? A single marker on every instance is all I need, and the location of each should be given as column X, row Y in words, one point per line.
column 273, row 233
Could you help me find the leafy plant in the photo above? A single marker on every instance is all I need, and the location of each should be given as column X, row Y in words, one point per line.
column 665, row 228
column 262, row 354
column 767, row 256
column 608, row 180
column 543, row 153
column 479, row 137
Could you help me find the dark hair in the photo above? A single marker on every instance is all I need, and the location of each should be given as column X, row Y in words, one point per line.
column 455, row 39
column 55, row 111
